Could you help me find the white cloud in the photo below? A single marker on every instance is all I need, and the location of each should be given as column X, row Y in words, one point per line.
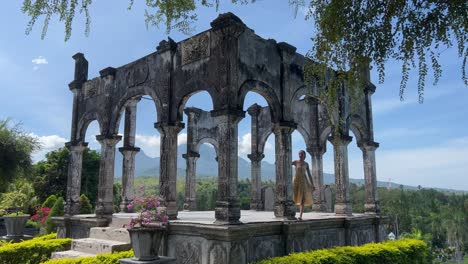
column 48, row 143
column 182, row 139
column 151, row 144
column 244, row 145
column 40, row 60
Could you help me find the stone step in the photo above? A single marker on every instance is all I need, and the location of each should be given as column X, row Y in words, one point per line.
column 98, row 246
column 109, row 233
column 70, row 254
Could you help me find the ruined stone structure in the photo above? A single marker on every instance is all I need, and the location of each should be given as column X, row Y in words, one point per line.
column 228, row 61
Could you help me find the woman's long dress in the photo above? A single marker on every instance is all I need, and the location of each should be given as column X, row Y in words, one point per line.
column 302, row 187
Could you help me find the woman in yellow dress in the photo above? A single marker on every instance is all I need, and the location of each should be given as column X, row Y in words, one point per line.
column 302, row 185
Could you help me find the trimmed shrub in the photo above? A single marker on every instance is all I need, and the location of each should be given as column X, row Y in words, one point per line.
column 50, row 201
column 111, row 258
column 57, row 210
column 33, row 251
column 85, row 205
column 402, row 251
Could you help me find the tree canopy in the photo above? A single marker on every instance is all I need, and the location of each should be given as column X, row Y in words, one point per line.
column 349, row 33
column 16, row 147
column 51, row 174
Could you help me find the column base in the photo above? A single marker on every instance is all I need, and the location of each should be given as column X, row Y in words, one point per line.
column 255, row 205
column 190, row 206
column 285, row 209
column 343, row 209
column 227, row 213
column 372, row 208
column 171, row 210
column 123, row 207
column 319, row 207
column 104, row 209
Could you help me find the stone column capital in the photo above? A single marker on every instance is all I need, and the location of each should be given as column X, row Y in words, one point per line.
column 256, row 157
column 169, row 127
column 191, row 154
column 284, row 127
column 76, row 146
column 342, row 140
column 129, row 149
column 368, row 145
column 111, row 140
column 316, row 150
column 254, row 110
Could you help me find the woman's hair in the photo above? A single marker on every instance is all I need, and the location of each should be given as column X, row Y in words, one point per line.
column 302, row 151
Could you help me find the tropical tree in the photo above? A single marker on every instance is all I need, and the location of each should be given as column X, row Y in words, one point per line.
column 16, row 146
column 349, row 34
column 50, row 177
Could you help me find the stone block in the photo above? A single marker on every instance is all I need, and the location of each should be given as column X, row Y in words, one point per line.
column 70, row 254
column 109, row 233
column 98, row 246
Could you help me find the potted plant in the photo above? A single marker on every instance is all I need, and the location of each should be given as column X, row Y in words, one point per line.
column 147, row 230
column 16, row 220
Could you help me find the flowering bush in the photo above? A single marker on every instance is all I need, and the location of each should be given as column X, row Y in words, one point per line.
column 149, row 211
column 41, row 216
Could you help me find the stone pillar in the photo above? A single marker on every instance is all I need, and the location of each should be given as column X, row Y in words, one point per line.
column 129, row 151
column 74, row 177
column 370, row 177
column 191, row 180
column 316, row 154
column 105, row 205
column 168, row 167
column 256, row 180
column 227, row 209
column 128, row 175
column 284, row 204
column 340, row 151
column 80, row 77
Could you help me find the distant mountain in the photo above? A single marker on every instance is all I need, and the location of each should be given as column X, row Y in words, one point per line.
column 208, row 167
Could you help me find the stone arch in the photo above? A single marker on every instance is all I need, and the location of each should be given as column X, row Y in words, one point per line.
column 207, row 140
column 302, row 90
column 130, row 94
column 358, row 127
column 184, row 99
column 264, row 90
column 324, row 134
column 264, row 138
column 84, row 122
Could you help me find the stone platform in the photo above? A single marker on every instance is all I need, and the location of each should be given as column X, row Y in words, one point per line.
column 195, row 238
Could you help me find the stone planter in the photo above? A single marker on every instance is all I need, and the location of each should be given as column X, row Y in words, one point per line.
column 15, row 225
column 146, row 241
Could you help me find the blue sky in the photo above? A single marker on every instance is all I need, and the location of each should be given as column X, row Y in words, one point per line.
column 424, row 144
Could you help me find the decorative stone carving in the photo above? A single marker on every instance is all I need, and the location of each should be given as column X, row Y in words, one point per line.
column 217, row 254
column 195, row 48
column 91, row 88
column 238, row 254
column 137, row 74
column 188, row 253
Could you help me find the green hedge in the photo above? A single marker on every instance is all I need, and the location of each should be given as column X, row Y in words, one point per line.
column 111, row 258
column 32, row 251
column 404, row 251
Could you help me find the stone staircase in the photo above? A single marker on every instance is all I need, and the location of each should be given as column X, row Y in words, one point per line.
column 101, row 240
